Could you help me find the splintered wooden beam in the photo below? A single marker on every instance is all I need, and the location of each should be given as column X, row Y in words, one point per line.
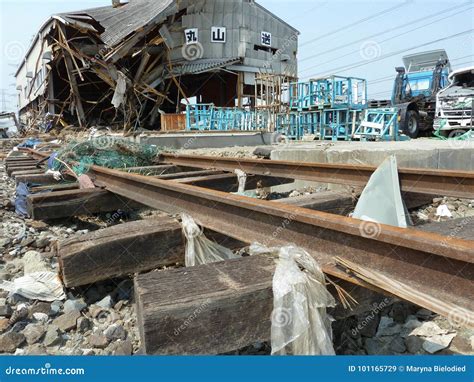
column 61, row 204
column 125, row 249
column 120, row 250
column 217, row 308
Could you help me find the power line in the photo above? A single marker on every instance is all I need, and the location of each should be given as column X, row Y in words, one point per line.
column 365, row 62
column 465, row 63
column 391, row 38
column 357, row 22
column 388, row 31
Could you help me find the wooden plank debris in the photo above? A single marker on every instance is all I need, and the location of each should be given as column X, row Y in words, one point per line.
column 207, row 309
column 125, row 249
column 216, row 308
column 61, row 204
column 120, row 250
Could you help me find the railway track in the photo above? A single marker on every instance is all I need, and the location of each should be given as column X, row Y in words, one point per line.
column 431, row 270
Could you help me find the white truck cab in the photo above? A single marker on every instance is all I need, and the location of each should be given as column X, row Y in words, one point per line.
column 454, row 104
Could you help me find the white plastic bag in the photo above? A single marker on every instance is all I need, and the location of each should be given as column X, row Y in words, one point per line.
column 242, row 179
column 43, row 286
column 199, row 249
column 300, row 324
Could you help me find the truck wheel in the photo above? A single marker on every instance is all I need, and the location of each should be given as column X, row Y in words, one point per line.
column 412, row 124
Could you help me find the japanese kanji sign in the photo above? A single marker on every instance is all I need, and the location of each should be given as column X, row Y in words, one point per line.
column 218, row 34
column 266, row 39
column 191, row 36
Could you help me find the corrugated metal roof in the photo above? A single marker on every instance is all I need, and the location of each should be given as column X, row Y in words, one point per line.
column 122, row 21
column 202, row 66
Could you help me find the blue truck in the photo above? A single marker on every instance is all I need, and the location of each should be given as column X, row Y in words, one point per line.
column 415, row 88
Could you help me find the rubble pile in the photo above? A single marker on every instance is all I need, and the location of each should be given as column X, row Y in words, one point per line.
column 98, row 319
column 401, row 328
column 443, row 209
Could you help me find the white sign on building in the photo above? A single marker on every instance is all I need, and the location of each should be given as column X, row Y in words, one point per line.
column 218, row 34
column 266, row 39
column 191, row 36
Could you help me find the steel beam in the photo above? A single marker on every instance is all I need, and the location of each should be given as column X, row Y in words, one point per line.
column 424, row 262
column 458, row 184
column 427, row 264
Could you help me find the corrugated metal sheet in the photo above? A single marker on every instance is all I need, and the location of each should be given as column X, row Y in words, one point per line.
column 120, row 22
column 202, row 66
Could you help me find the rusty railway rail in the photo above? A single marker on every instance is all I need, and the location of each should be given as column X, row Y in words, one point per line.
column 438, row 270
column 458, row 184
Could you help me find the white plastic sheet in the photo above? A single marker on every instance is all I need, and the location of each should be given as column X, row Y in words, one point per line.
column 43, row 286
column 381, row 201
column 242, row 178
column 120, row 90
column 199, row 249
column 300, row 324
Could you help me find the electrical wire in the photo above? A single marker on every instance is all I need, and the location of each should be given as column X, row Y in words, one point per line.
column 404, row 25
column 390, row 38
column 358, row 22
column 383, row 57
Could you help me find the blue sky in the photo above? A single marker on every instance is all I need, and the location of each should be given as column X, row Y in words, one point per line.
column 335, row 35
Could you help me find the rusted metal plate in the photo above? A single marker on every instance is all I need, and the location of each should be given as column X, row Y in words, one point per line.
column 438, row 182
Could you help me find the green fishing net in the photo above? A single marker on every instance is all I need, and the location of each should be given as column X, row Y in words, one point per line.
column 466, row 136
column 105, row 151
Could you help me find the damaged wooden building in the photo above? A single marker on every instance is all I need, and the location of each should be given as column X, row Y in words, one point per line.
column 127, row 64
